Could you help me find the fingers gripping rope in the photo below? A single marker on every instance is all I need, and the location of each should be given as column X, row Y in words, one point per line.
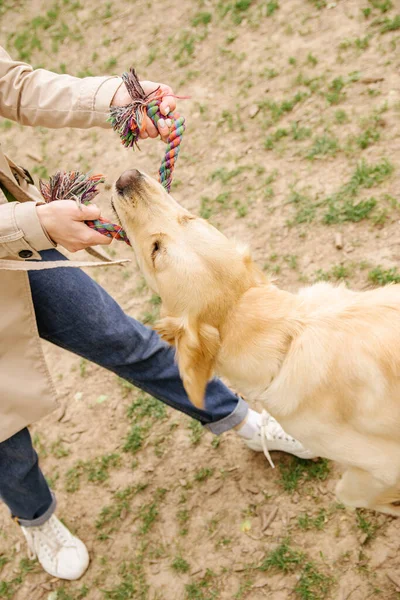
column 127, row 121
column 82, row 188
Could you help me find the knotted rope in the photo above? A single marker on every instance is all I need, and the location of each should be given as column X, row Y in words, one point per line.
column 82, row 188
column 127, row 121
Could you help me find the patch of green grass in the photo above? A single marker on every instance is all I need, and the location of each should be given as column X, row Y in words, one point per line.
column 367, row 526
column 241, row 209
column 39, row 445
column 278, row 109
column 95, row 470
column 298, row 132
column 335, row 92
column 126, row 387
column 341, row 117
column 362, row 43
column 318, row 3
column 306, row 209
column 183, row 517
column 244, row 588
column 180, row 565
column 110, row 63
column 9, row 588
column 291, row 260
column 269, row 73
column 6, row 124
column 342, row 205
column 110, row 515
column 186, row 48
column 132, row 584
column 134, row 439
column 391, row 24
column 64, row 594
column 196, row 432
column 297, row 470
column 367, row 175
column 382, row 5
column 146, row 406
column 59, row 450
column 312, row 584
column 224, row 175
column 312, row 60
column 203, row 474
column 274, row 137
column 340, row 272
column 283, row 558
column 26, row 42
column 271, row 7
column 201, row 18
column 307, row 522
column 209, row 207
column 349, row 210
column 3, row 560
column 41, row 171
column 323, row 146
column 148, row 514
column 204, row 589
column 367, row 138
column 380, row 276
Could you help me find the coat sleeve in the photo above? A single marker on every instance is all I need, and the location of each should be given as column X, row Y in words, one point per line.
column 21, row 234
column 40, row 97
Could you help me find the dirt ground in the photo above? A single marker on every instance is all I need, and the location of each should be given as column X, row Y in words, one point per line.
column 292, row 145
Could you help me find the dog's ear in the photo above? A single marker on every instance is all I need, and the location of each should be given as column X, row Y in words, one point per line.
column 197, row 347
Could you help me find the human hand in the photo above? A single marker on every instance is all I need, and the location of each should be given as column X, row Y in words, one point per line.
column 168, row 104
column 64, row 223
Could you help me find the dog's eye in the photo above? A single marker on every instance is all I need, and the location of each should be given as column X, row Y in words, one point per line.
column 155, row 248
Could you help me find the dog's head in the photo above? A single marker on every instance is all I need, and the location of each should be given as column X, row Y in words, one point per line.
column 198, row 273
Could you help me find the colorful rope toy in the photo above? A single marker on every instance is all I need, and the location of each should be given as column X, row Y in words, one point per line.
column 82, row 188
column 127, row 121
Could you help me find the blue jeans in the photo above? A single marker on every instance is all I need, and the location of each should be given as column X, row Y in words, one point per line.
column 75, row 313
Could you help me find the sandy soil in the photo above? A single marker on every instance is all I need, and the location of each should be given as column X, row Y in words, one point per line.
column 286, row 101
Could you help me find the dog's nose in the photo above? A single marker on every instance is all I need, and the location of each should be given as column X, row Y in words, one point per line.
column 127, row 179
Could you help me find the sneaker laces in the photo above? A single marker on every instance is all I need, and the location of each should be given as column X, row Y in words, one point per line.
column 48, row 535
column 268, row 427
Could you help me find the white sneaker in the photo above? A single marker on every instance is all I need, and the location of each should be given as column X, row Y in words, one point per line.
column 271, row 436
column 60, row 553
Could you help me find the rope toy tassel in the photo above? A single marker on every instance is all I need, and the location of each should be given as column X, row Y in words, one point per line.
column 82, row 188
column 127, row 121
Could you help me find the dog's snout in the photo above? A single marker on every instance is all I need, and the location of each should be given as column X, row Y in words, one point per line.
column 127, row 179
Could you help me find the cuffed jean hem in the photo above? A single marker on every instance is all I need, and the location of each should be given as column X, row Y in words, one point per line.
column 42, row 519
column 229, row 422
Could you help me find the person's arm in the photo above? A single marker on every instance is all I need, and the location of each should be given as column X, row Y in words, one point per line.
column 40, row 97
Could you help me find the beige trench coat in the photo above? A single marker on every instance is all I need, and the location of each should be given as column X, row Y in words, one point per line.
column 32, row 98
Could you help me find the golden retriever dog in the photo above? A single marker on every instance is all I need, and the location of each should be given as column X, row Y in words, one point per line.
column 325, row 361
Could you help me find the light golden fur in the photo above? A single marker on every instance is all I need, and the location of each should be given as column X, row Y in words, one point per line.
column 325, row 361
